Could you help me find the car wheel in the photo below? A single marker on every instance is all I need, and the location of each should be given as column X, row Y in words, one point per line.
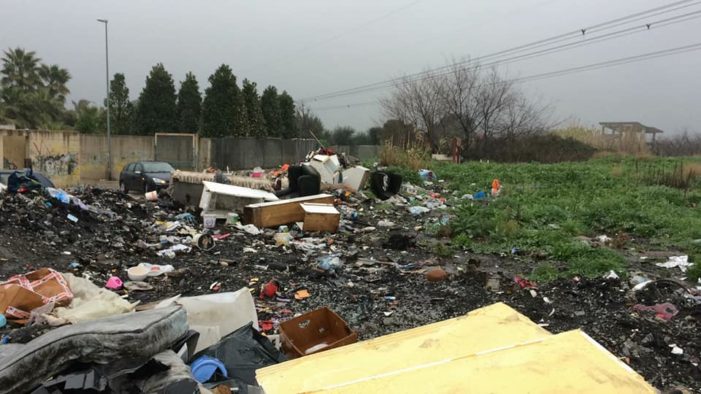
column 123, row 188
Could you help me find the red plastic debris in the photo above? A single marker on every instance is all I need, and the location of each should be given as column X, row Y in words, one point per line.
column 266, row 325
column 665, row 311
column 524, row 283
column 269, row 289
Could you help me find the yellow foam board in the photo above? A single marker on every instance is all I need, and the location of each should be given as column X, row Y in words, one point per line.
column 570, row 362
column 491, row 327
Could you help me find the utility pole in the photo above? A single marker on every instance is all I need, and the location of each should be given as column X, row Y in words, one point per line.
column 107, row 81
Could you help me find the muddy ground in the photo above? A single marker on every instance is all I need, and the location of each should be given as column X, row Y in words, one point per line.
column 381, row 287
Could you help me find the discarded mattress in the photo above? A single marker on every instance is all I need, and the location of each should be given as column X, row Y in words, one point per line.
column 136, row 336
column 492, row 349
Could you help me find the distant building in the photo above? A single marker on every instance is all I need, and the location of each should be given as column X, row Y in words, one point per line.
column 621, row 128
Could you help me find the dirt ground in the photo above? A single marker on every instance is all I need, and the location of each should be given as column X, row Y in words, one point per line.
column 381, row 287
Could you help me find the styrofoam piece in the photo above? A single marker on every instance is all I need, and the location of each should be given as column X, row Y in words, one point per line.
column 216, row 315
column 356, row 177
column 319, row 208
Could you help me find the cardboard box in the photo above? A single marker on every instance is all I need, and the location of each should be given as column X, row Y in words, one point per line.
column 17, row 297
column 314, row 332
column 321, row 217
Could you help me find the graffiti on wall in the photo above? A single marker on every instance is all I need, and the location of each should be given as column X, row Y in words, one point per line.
column 63, row 164
column 54, row 164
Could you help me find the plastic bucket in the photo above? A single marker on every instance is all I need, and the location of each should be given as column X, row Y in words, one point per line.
column 151, row 196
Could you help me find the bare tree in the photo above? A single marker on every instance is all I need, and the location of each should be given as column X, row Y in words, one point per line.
column 458, row 91
column 416, row 101
column 522, row 117
column 492, row 98
column 477, row 104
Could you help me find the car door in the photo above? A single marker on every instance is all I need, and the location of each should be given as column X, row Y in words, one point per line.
column 126, row 175
column 138, row 177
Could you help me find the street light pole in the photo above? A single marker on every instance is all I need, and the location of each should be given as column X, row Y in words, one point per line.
column 107, row 81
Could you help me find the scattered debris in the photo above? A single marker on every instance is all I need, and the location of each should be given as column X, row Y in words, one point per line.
column 681, row 262
column 382, row 268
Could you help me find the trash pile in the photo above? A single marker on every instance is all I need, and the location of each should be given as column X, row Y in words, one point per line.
column 241, row 271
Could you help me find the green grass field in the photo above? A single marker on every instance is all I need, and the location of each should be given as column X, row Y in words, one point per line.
column 543, row 208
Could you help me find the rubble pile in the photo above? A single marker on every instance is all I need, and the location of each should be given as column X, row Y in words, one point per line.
column 384, row 269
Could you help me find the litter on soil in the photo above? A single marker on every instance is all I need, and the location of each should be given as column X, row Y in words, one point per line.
column 380, row 281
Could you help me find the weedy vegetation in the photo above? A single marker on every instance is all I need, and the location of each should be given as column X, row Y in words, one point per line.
column 551, row 211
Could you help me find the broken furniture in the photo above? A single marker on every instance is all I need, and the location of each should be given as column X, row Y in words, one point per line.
column 492, row 349
column 219, row 199
column 327, row 166
column 315, row 331
column 277, row 213
column 321, row 217
column 303, row 180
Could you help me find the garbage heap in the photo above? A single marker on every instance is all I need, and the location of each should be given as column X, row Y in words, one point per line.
column 171, row 296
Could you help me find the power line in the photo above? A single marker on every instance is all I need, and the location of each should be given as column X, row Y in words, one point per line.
column 573, row 70
column 542, row 52
column 547, row 41
column 611, row 63
column 560, row 48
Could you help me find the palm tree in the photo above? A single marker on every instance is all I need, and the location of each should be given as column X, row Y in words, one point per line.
column 20, row 70
column 55, row 79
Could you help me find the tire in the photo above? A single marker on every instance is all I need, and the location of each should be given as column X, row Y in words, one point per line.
column 123, row 187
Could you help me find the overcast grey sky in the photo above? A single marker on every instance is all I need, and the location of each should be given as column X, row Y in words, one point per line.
column 311, row 47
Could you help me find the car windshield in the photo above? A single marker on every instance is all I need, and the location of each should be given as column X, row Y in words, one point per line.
column 157, row 167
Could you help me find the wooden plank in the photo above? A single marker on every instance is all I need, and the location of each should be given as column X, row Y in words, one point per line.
column 276, row 213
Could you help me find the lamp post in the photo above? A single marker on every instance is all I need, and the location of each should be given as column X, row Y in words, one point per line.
column 107, row 81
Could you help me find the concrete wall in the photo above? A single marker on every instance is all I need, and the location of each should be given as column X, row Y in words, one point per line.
column 125, row 149
column 70, row 158
column 177, row 149
column 56, row 154
column 13, row 148
column 362, row 152
column 247, row 153
column 204, row 156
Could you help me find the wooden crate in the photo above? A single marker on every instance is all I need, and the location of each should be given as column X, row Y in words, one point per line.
column 321, row 217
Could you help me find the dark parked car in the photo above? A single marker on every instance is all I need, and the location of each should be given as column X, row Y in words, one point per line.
column 37, row 176
column 145, row 176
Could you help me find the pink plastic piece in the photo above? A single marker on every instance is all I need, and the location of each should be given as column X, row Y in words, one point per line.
column 114, row 283
column 664, row 311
